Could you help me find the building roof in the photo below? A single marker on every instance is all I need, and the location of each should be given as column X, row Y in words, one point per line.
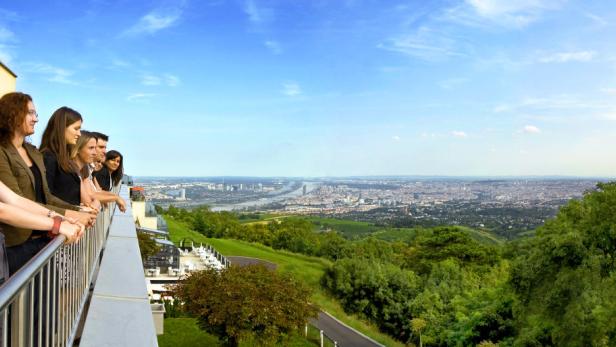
column 164, row 242
column 7, row 69
column 153, row 231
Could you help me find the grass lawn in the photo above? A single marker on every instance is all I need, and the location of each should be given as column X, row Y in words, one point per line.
column 396, row 234
column 184, row 332
column 348, row 228
column 305, row 268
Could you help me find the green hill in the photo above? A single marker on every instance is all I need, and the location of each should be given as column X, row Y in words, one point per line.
column 308, row 269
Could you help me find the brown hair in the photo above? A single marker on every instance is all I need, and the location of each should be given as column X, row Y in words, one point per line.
column 117, row 175
column 54, row 140
column 13, row 111
column 81, row 142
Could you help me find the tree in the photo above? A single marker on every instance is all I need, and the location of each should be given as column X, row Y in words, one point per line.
column 565, row 280
column 418, row 325
column 448, row 243
column 381, row 292
column 147, row 246
column 249, row 303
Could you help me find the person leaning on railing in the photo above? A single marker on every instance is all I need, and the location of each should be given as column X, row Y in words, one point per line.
column 20, row 212
column 61, row 134
column 101, row 150
column 112, row 170
column 83, row 154
column 23, row 172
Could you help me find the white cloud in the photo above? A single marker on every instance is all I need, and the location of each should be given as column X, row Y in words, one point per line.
column 7, row 15
column 425, row 43
column 531, row 129
column 565, row 57
column 172, row 80
column 150, row 80
column 452, row 83
column 153, row 22
column 597, row 19
column 140, row 96
column 6, row 35
column 165, row 79
column 426, row 135
column 273, row 46
column 501, row 108
column 611, row 91
column 291, row 89
column 563, row 102
column 5, row 54
column 53, row 73
column 396, row 138
column 119, row 63
column 256, row 14
column 459, row 134
column 611, row 116
column 510, row 14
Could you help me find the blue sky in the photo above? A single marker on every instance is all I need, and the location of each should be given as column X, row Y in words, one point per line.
column 328, row 87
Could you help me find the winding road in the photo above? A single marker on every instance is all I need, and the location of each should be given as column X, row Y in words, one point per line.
column 333, row 328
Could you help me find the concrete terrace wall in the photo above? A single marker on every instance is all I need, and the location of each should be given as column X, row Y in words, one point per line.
column 120, row 313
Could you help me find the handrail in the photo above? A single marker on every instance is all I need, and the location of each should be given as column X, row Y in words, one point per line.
column 43, row 302
column 20, row 279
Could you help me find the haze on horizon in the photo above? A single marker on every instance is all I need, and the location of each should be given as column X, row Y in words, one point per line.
column 328, row 88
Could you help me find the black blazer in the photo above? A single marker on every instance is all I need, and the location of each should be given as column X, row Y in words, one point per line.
column 103, row 177
column 65, row 185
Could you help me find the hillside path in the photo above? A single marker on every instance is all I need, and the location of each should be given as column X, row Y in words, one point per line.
column 342, row 333
column 333, row 328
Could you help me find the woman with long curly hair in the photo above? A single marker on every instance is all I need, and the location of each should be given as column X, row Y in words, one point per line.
column 23, row 172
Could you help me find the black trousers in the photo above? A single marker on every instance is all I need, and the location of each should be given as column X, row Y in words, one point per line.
column 19, row 255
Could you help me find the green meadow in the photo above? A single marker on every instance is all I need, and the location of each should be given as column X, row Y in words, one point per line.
column 305, row 268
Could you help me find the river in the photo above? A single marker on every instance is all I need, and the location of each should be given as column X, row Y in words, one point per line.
column 310, row 186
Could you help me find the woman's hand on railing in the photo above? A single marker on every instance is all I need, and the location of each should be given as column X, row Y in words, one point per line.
column 84, row 218
column 121, row 204
column 71, row 231
column 89, row 208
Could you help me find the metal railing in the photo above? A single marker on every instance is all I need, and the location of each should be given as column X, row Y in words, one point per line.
column 43, row 302
column 209, row 248
column 318, row 336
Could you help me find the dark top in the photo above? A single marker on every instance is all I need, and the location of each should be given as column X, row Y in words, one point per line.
column 38, row 185
column 103, row 177
column 65, row 185
column 38, row 192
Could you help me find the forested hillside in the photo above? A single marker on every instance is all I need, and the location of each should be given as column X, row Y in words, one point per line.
column 452, row 288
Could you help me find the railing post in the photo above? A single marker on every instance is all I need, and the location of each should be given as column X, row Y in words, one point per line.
column 18, row 316
column 321, row 334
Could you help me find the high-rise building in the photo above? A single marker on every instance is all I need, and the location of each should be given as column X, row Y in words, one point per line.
column 304, row 190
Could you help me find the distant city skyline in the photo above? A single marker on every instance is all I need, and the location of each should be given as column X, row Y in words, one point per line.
column 274, row 88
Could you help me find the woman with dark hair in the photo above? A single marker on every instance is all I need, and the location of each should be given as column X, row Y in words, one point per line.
column 83, row 154
column 112, row 171
column 22, row 171
column 62, row 132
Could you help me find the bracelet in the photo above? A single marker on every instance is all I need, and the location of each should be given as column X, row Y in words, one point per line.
column 55, row 230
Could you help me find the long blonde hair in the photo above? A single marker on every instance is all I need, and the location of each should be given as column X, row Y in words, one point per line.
column 85, row 137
